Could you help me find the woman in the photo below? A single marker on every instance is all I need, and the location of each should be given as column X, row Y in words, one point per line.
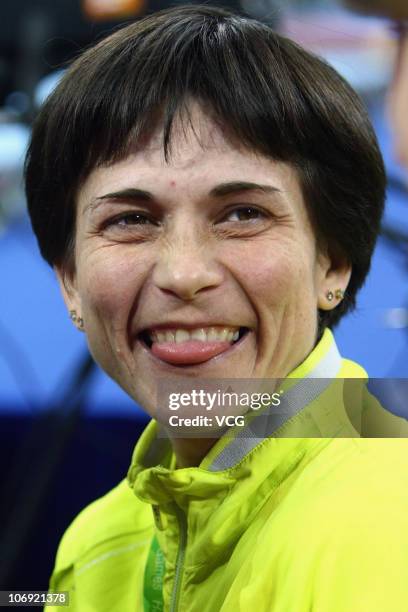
column 209, row 195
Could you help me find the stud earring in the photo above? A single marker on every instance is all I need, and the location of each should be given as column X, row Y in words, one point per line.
column 78, row 321
column 330, row 296
column 339, row 294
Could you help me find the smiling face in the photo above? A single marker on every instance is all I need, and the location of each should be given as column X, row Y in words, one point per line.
column 203, row 266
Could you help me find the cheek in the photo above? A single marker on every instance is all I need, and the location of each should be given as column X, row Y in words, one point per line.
column 108, row 285
column 275, row 274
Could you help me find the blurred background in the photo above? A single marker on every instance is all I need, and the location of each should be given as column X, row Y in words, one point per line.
column 66, row 431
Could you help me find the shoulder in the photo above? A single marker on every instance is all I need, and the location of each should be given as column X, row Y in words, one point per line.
column 352, row 496
column 342, row 523
column 359, row 529
column 117, row 515
column 355, row 479
column 350, row 511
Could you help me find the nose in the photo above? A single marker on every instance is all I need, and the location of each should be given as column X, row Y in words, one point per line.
column 186, row 267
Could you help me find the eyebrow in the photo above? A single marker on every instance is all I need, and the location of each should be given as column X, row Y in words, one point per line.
column 238, row 186
column 219, row 191
column 128, row 194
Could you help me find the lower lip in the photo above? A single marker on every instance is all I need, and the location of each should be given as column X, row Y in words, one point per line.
column 190, row 352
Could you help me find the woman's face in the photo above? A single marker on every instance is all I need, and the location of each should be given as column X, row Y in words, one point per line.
column 173, row 259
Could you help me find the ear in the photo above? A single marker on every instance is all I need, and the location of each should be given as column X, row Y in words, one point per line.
column 334, row 273
column 68, row 285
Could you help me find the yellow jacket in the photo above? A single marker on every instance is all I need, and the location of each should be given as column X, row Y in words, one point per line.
column 310, row 517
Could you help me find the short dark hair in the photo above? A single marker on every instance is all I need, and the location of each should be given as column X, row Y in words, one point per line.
column 273, row 96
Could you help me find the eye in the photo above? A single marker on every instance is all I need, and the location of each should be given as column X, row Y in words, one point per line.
column 129, row 219
column 244, row 213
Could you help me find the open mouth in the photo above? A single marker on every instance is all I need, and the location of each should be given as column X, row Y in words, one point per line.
column 191, row 346
column 181, row 336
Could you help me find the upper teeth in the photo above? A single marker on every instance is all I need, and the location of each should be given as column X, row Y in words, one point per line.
column 203, row 334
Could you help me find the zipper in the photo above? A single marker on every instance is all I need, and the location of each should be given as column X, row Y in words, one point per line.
column 175, row 596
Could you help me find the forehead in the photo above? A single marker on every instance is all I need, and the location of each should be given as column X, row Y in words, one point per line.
column 195, row 136
column 201, row 155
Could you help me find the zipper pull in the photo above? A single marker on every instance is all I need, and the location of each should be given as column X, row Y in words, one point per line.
column 159, row 519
